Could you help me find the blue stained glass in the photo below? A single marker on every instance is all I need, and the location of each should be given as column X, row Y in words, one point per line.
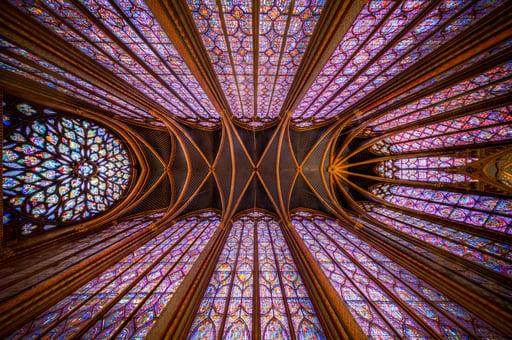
column 52, row 171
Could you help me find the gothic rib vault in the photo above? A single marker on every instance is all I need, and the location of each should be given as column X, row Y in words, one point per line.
column 256, row 169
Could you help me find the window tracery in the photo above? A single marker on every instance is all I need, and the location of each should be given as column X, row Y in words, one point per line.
column 255, row 272
column 438, row 169
column 478, row 210
column 385, row 299
column 59, row 169
column 126, row 298
column 368, row 55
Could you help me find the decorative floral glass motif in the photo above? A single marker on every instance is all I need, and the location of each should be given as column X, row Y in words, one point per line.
column 127, row 298
column 61, row 169
column 256, row 255
column 439, row 169
column 377, row 47
column 478, row 210
column 375, row 288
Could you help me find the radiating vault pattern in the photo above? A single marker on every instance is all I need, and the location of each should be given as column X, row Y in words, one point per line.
column 295, row 169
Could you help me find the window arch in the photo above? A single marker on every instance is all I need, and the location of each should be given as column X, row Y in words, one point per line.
column 478, row 210
column 256, row 272
column 385, row 299
column 127, row 298
column 59, row 169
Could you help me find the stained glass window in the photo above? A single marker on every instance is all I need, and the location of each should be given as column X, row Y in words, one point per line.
column 29, row 271
column 478, row 210
column 126, row 299
column 492, row 254
column 459, row 69
column 256, row 64
column 24, row 63
column 378, row 46
column 492, row 290
column 256, row 279
column 377, row 289
column 59, row 169
column 126, row 39
column 478, row 128
column 487, row 85
column 439, row 169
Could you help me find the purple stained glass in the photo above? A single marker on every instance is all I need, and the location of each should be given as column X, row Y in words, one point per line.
column 369, row 60
column 371, row 285
column 128, row 297
column 229, row 297
column 61, row 170
column 276, row 49
column 487, row 85
column 479, row 58
column 478, row 128
column 136, row 54
column 438, row 169
column 57, row 78
column 491, row 254
column 483, row 211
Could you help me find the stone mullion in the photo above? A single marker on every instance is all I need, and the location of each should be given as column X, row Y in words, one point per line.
column 457, row 186
column 85, row 11
column 477, row 107
column 494, row 235
column 477, row 268
column 176, row 20
column 449, row 272
column 335, row 20
column 466, row 74
column 51, row 73
column 332, row 312
column 178, row 315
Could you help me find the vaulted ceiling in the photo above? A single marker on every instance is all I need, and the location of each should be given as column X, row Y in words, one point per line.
column 357, row 109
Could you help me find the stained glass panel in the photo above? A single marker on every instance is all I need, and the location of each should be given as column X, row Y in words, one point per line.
column 375, row 288
column 438, row 169
column 490, row 84
column 256, row 58
column 492, row 254
column 478, row 128
column 59, row 169
column 127, row 298
column 18, row 60
column 378, row 46
column 127, row 40
column 256, row 255
column 478, row 210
